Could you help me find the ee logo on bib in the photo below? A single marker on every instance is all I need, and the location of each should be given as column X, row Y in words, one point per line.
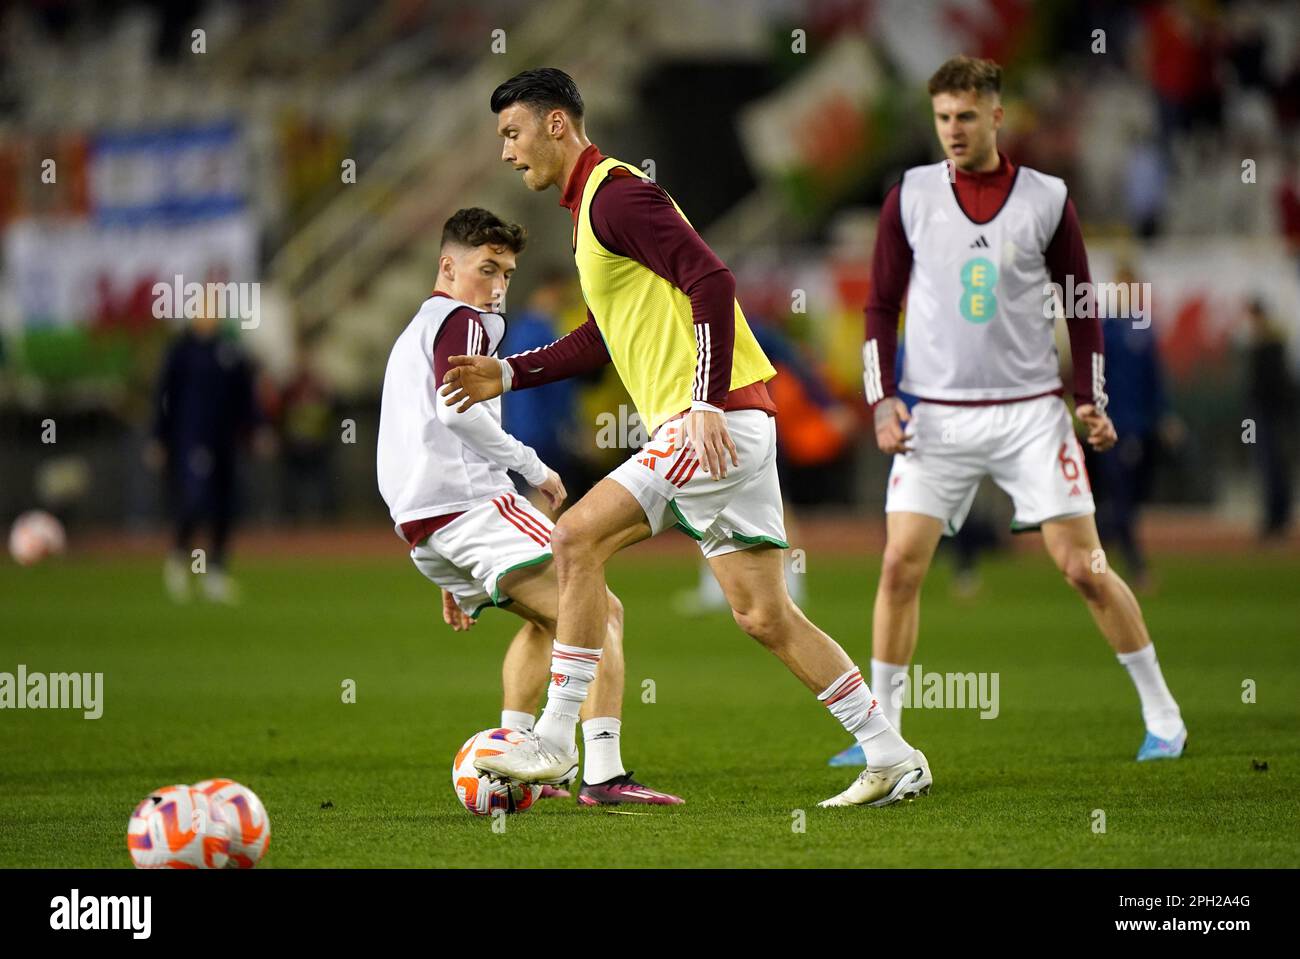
column 978, row 277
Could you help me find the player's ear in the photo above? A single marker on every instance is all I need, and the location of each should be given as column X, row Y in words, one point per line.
column 556, row 121
column 447, row 267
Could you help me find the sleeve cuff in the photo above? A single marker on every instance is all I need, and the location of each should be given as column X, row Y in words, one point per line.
column 507, row 377
column 537, row 472
column 706, row 407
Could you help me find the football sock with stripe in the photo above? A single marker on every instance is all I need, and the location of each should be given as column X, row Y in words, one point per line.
column 850, row 701
column 602, row 759
column 572, row 670
column 1159, row 710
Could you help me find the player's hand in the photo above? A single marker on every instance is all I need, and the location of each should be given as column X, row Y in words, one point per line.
column 706, row 432
column 553, row 489
column 1101, row 431
column 891, row 433
column 471, row 379
column 453, row 615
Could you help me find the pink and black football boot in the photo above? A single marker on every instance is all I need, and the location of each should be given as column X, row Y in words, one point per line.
column 624, row 789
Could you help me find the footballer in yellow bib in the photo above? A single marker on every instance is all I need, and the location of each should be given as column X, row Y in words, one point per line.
column 663, row 310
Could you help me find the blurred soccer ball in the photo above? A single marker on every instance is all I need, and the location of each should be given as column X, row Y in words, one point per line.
column 250, row 828
column 35, row 535
column 178, row 827
column 480, row 793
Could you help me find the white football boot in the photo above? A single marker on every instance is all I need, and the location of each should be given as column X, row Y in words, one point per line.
column 883, row 787
column 532, row 762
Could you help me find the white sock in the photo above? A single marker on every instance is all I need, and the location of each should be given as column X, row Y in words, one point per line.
column 891, row 682
column 850, row 701
column 602, row 760
column 1159, row 710
column 572, row 670
column 516, row 719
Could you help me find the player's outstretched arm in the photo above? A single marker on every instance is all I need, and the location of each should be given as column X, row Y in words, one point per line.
column 473, row 379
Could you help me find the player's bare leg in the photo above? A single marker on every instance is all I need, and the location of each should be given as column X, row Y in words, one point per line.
column 754, row 583
column 1075, row 547
column 910, row 542
column 523, row 674
column 601, row 523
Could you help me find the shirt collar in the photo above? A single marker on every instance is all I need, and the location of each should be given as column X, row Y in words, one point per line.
column 1003, row 169
column 571, row 199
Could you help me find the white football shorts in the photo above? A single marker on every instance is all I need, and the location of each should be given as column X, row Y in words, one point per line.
column 741, row 510
column 469, row 555
column 1028, row 447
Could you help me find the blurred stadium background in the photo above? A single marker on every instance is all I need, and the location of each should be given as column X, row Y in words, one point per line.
column 315, row 148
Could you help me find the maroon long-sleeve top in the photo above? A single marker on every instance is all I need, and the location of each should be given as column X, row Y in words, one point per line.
column 981, row 196
column 635, row 218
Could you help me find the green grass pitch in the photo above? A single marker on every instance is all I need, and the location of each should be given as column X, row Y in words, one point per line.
column 254, row 693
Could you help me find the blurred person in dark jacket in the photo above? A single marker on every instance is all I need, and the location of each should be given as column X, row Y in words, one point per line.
column 1139, row 408
column 1271, row 403
column 205, row 409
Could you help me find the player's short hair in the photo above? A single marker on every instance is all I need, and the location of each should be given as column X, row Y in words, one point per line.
column 544, row 89
column 963, row 73
column 475, row 226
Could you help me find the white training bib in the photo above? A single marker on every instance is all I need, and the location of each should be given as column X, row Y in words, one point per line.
column 975, row 327
column 424, row 469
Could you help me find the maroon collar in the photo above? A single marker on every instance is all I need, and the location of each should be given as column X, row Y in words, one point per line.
column 1003, row 171
column 572, row 196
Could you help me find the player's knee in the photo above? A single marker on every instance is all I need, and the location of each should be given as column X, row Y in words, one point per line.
column 901, row 576
column 571, row 545
column 1082, row 577
column 769, row 623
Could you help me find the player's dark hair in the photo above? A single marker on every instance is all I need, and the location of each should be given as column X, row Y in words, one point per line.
column 544, row 90
column 963, row 73
column 475, row 226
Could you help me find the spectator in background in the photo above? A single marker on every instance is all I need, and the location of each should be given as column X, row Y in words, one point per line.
column 205, row 408
column 1139, row 408
column 544, row 418
column 1271, row 403
column 1145, row 186
column 308, row 423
